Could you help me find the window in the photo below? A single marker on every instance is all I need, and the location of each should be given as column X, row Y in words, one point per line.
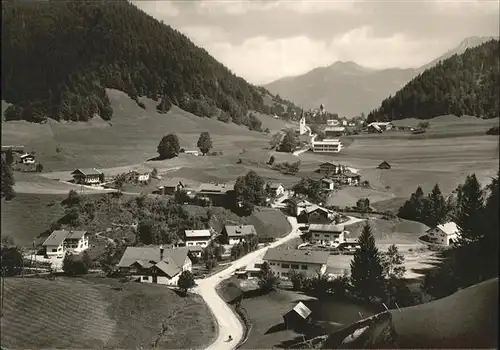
column 304, row 267
column 54, row 250
column 316, row 235
column 294, row 267
column 145, row 278
column 285, row 266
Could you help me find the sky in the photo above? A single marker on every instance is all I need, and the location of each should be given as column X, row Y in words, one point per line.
column 264, row 40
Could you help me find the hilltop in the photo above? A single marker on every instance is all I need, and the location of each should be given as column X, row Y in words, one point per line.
column 348, row 89
column 59, row 57
column 465, row 84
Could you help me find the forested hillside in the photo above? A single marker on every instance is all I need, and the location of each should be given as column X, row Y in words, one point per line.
column 466, row 84
column 59, row 56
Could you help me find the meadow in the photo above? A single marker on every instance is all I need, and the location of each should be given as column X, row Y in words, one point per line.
column 266, row 316
column 93, row 313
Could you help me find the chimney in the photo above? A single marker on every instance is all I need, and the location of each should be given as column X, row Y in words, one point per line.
column 161, row 252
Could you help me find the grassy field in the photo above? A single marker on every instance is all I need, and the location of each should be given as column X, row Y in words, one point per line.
column 131, row 137
column 90, row 313
column 266, row 315
column 28, row 215
column 268, row 222
column 390, row 231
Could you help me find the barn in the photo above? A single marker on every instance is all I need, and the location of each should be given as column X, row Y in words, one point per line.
column 297, row 317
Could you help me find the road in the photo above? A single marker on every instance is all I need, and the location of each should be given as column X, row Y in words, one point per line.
column 227, row 321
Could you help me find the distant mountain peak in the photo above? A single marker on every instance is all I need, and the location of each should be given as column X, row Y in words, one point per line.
column 473, row 41
column 347, row 65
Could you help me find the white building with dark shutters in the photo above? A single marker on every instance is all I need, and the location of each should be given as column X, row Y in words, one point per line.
column 282, row 260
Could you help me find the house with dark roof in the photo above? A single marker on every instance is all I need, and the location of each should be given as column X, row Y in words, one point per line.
column 328, row 183
column 155, row 264
column 298, row 317
column 331, row 168
column 237, row 234
column 61, row 241
column 297, row 205
column 327, row 235
column 169, row 186
column 384, row 165
column 89, row 176
column 314, row 214
column 282, row 260
column 214, row 193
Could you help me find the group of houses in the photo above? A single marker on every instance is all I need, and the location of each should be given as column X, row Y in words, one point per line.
column 20, row 155
column 339, row 174
column 94, row 177
column 211, row 193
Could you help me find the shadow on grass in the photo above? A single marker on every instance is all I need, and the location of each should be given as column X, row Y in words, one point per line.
column 280, row 327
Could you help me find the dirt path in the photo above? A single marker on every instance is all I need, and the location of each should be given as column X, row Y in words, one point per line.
column 227, row 321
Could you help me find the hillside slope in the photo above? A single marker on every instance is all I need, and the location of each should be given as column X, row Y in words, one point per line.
column 348, row 89
column 466, row 84
column 130, row 138
column 59, row 56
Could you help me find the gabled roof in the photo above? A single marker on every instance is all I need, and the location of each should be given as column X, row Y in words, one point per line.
column 168, row 266
column 58, row 236
column 327, row 180
column 240, row 231
column 349, row 173
column 326, row 228
column 86, row 172
column 168, row 183
column 329, row 163
column 215, row 188
column 335, row 128
column 384, row 164
column 152, row 253
column 274, row 185
column 449, row 228
column 297, row 256
column 25, row 155
column 314, row 207
column 302, row 310
column 197, row 233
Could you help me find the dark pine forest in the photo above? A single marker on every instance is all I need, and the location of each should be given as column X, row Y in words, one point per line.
column 466, row 84
column 59, row 56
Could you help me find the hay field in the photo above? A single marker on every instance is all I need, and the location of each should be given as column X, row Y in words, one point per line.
column 131, row 137
column 88, row 313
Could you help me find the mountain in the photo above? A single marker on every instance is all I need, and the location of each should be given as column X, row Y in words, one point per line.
column 465, row 84
column 348, row 89
column 465, row 44
column 58, row 57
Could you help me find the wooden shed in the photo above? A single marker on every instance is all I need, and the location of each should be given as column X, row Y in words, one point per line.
column 384, row 165
column 297, row 317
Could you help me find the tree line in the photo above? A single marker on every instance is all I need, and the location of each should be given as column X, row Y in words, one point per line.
column 465, row 84
column 97, row 45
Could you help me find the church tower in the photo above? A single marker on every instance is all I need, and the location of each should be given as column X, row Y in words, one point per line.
column 302, row 124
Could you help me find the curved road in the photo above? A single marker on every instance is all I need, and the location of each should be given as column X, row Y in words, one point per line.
column 227, row 321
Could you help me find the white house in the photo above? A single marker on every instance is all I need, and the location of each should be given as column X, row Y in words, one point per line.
column 197, row 237
column 297, row 205
column 237, row 234
column 192, row 153
column 143, row 176
column 277, row 189
column 326, row 145
column 332, row 122
column 250, row 271
column 282, row 260
column 61, row 241
column 327, row 235
column 27, row 158
column 155, row 264
column 445, row 234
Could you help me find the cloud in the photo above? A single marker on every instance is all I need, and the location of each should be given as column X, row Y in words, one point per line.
column 235, row 7
column 158, row 8
column 261, row 59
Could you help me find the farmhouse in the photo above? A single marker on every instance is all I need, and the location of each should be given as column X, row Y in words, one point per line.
column 61, row 241
column 379, row 126
column 27, row 158
column 314, row 214
column 326, row 145
column 332, row 122
column 331, row 168
column 237, row 234
column 88, row 176
column 197, row 237
column 155, row 264
column 276, row 189
column 445, row 234
column 192, row 153
column 169, row 186
column 328, row 183
column 384, row 165
column 141, row 175
column 334, row 131
column 214, row 193
column 327, row 235
column 347, row 178
column 297, row 205
column 298, row 317
column 282, row 260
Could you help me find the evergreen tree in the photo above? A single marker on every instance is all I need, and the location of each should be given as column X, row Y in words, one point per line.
column 7, row 178
column 436, row 212
column 367, row 276
column 9, row 157
column 204, row 142
column 469, row 216
column 414, row 208
column 169, row 146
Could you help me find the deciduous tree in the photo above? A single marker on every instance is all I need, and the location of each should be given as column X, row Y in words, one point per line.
column 169, row 146
column 7, row 178
column 204, row 142
column 268, row 281
column 186, row 281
